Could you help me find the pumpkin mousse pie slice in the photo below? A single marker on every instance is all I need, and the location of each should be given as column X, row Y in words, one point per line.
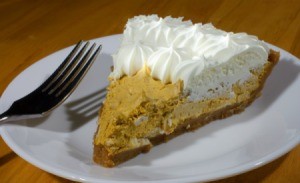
column 172, row 76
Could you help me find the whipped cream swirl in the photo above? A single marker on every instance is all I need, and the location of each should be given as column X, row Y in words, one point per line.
column 175, row 50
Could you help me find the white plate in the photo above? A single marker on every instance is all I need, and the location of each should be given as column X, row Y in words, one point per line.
column 62, row 143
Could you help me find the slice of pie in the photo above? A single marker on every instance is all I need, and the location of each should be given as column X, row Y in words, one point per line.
column 172, row 76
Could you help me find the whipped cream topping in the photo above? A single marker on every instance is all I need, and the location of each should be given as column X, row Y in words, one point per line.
column 175, row 50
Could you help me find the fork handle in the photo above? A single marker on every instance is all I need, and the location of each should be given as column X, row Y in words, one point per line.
column 4, row 117
column 9, row 116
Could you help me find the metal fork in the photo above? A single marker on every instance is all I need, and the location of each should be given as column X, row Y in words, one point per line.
column 56, row 89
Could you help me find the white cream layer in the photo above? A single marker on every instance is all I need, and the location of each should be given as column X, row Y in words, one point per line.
column 199, row 55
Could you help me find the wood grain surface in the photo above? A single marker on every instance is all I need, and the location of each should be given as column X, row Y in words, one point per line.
column 32, row 29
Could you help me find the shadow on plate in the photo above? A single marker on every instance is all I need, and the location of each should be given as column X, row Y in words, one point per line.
column 78, row 113
column 283, row 75
column 84, row 109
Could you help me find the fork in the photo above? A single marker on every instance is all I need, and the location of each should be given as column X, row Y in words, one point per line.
column 56, row 89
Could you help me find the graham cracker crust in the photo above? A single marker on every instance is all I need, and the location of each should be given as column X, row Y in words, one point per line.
column 101, row 155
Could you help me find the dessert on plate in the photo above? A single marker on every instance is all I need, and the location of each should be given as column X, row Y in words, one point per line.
column 172, row 76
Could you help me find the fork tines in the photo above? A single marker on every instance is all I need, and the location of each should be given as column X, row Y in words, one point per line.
column 71, row 71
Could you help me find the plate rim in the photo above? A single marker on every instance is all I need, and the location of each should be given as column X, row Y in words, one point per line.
column 197, row 177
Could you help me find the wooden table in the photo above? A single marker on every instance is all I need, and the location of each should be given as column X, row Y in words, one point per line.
column 32, row 29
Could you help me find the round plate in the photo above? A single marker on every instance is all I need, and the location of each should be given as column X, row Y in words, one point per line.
column 62, row 143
